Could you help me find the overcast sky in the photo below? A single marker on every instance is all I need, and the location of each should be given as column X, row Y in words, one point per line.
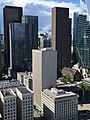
column 40, row 8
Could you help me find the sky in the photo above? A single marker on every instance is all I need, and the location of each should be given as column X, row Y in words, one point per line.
column 40, row 8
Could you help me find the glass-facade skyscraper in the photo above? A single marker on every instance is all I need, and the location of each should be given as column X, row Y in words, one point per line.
column 32, row 22
column 81, row 40
column 11, row 14
column 20, row 47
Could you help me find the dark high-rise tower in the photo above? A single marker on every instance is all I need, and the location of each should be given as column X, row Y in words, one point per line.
column 32, row 22
column 20, row 48
column 11, row 14
column 61, row 36
column 81, row 40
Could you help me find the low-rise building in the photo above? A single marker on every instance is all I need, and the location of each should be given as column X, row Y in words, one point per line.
column 59, row 105
column 25, row 78
column 8, row 104
column 9, row 83
column 44, row 41
column 24, row 103
column 73, row 88
column 84, row 111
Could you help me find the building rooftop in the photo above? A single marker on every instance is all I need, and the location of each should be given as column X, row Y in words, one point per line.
column 25, row 90
column 7, row 92
column 30, row 16
column 27, row 75
column 55, row 93
column 84, row 106
column 44, row 49
column 69, row 88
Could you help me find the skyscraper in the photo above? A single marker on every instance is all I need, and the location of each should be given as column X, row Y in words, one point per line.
column 61, row 36
column 81, row 40
column 11, row 14
column 20, row 47
column 32, row 22
column 44, row 71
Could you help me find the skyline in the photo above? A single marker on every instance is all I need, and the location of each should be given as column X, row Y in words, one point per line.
column 40, row 8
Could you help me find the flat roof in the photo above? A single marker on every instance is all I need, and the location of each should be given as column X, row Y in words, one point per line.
column 7, row 92
column 30, row 16
column 84, row 106
column 44, row 49
column 24, row 90
column 61, row 94
column 70, row 88
column 7, row 6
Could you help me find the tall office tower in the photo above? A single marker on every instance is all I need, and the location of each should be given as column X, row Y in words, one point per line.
column 11, row 14
column 81, row 40
column 32, row 22
column 33, row 29
column 8, row 104
column 44, row 71
column 24, row 103
column 59, row 104
column 61, row 37
column 20, row 48
column 75, row 25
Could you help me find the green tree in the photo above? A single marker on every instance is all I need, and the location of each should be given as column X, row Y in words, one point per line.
column 86, row 88
column 66, row 78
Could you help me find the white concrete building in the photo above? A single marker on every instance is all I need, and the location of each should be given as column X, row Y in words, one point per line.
column 0, row 116
column 25, row 78
column 59, row 105
column 24, row 103
column 44, row 41
column 9, row 83
column 44, row 67
column 8, row 104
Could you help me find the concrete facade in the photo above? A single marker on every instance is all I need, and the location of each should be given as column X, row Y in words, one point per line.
column 25, row 78
column 44, row 41
column 59, row 105
column 44, row 71
column 4, row 84
column 8, row 105
column 24, row 103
